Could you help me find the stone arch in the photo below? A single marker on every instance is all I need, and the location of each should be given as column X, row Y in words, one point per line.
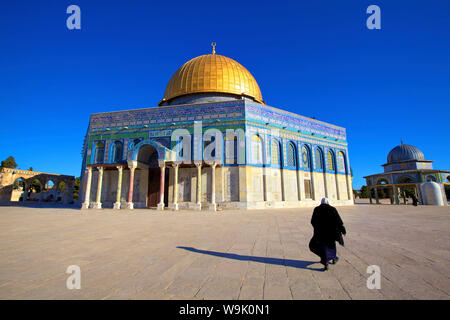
column 19, row 183
column 148, row 155
column 18, row 189
column 382, row 180
column 160, row 149
column 49, row 183
column 49, row 189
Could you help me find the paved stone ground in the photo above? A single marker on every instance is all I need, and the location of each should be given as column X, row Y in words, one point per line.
column 145, row 254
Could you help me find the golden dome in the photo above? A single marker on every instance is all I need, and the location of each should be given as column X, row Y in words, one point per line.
column 212, row 73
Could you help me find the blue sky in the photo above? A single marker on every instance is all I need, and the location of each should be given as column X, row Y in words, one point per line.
column 314, row 58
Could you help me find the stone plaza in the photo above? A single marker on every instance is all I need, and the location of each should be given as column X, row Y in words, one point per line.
column 230, row 254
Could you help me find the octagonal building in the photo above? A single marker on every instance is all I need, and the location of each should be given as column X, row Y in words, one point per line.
column 212, row 143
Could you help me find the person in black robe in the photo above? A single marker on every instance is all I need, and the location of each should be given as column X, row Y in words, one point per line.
column 328, row 228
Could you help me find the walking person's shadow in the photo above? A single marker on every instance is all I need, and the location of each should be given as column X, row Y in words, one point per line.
column 282, row 262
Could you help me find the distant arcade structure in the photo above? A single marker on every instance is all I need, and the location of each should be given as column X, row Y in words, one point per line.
column 20, row 186
column 407, row 171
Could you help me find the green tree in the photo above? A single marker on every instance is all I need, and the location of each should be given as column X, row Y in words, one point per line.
column 364, row 192
column 31, row 169
column 35, row 186
column 9, row 162
column 76, row 188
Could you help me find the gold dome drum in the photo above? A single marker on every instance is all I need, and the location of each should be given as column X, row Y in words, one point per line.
column 212, row 73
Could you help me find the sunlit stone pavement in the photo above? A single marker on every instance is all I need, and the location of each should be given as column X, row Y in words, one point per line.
column 146, row 254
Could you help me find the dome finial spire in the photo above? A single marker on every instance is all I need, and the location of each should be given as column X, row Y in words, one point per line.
column 213, row 44
column 401, row 141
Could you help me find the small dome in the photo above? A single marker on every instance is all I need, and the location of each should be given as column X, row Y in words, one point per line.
column 405, row 152
column 212, row 73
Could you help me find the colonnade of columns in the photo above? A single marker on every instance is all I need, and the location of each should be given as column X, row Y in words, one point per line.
column 394, row 193
column 160, row 206
column 198, row 204
column 67, row 195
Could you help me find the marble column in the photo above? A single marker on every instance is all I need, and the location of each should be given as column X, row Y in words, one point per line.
column 283, row 188
column 370, row 195
column 175, row 205
column 325, row 184
column 87, row 194
column 98, row 204
column 130, row 204
column 336, row 178
column 162, row 167
column 349, row 187
column 222, row 183
column 376, row 196
column 198, row 204
column 213, row 205
column 313, row 187
column 395, row 191
column 299, row 184
column 117, row 204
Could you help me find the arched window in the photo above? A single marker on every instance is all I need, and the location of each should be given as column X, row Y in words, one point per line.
column 275, row 153
column 341, row 162
column 331, row 161
column 99, row 152
column 257, row 149
column 291, row 155
column 319, row 158
column 118, row 150
column 306, row 157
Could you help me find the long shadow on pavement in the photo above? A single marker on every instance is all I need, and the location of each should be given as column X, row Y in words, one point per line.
column 282, row 262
